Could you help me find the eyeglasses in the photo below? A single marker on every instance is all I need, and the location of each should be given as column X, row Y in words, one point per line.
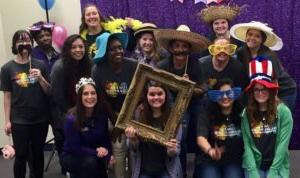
column 217, row 95
column 260, row 90
column 41, row 25
column 216, row 49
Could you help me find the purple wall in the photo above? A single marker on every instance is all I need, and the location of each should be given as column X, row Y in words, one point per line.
column 280, row 15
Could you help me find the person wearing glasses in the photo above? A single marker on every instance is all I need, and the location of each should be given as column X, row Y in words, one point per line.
column 267, row 125
column 219, row 139
column 220, row 65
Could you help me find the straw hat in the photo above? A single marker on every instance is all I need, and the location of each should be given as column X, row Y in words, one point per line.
column 261, row 71
column 239, row 31
column 182, row 33
column 211, row 13
column 102, row 42
column 145, row 27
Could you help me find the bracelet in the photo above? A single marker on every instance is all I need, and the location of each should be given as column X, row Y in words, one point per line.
column 208, row 150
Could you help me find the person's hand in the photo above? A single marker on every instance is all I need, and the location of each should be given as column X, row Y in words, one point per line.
column 172, row 144
column 116, row 134
column 216, row 152
column 111, row 161
column 35, row 73
column 101, row 152
column 130, row 132
column 7, row 128
column 186, row 76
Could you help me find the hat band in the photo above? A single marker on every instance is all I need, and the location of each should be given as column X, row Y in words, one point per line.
column 260, row 76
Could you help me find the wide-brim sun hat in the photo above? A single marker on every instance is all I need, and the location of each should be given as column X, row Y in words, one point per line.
column 239, row 31
column 182, row 33
column 145, row 27
column 102, row 42
column 212, row 13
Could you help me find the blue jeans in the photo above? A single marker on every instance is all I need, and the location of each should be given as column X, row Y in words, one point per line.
column 84, row 166
column 262, row 174
column 163, row 175
column 213, row 171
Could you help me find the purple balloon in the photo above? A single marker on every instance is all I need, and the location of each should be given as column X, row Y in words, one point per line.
column 59, row 35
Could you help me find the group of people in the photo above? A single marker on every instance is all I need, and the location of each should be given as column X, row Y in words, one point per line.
column 239, row 115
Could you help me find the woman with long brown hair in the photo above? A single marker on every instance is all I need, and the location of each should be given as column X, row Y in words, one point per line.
column 266, row 126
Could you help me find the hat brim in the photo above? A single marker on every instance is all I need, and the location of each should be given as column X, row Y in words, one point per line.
column 239, row 31
column 269, row 85
column 197, row 42
column 212, row 13
column 102, row 40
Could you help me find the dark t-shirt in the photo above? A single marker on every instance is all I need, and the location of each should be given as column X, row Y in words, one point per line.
column 234, row 70
column 264, row 136
column 225, row 133
column 28, row 100
column 91, row 43
column 114, row 86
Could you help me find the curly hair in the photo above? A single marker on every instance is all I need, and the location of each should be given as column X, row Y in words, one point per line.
column 253, row 108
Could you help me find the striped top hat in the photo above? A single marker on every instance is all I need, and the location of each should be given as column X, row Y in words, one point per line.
column 261, row 71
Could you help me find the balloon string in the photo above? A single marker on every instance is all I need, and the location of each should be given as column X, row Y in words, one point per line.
column 46, row 7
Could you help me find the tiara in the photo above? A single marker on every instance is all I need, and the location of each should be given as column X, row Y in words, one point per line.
column 84, row 81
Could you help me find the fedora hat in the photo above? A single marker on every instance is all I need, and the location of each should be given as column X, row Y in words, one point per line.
column 272, row 41
column 102, row 40
column 261, row 71
column 145, row 27
column 182, row 33
column 212, row 13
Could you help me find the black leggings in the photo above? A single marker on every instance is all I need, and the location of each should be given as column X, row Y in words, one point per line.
column 25, row 138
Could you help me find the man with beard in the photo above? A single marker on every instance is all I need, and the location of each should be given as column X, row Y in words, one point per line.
column 181, row 43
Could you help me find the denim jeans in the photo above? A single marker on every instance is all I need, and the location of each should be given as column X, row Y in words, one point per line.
column 262, row 174
column 84, row 166
column 207, row 170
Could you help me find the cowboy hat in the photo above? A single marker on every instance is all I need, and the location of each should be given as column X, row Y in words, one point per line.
column 182, row 33
column 102, row 40
column 145, row 27
column 261, row 71
column 239, row 31
column 212, row 13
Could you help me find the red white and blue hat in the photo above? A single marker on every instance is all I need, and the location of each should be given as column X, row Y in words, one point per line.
column 261, row 71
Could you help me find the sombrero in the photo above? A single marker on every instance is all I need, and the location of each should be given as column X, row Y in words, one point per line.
column 182, row 33
column 211, row 13
column 239, row 31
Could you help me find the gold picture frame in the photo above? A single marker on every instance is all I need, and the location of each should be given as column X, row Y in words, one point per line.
column 144, row 73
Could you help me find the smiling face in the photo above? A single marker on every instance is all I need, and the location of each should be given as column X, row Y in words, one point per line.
column 92, row 17
column 89, row 96
column 220, row 27
column 115, row 51
column 180, row 51
column 254, row 39
column 146, row 42
column 261, row 94
column 222, row 56
column 77, row 49
column 156, row 97
column 225, row 101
